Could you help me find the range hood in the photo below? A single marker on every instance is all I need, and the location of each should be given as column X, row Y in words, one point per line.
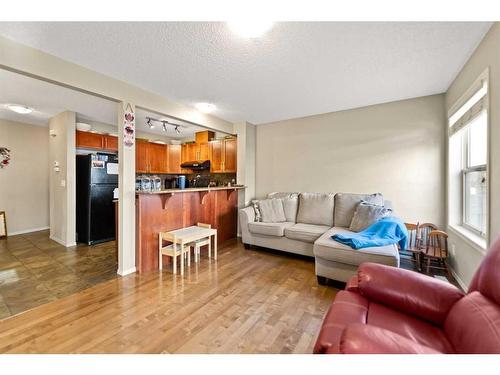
column 198, row 165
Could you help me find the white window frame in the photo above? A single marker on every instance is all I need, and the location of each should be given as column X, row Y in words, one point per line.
column 470, row 93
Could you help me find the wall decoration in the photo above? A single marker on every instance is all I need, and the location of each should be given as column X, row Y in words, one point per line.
column 128, row 126
column 4, row 157
column 3, row 224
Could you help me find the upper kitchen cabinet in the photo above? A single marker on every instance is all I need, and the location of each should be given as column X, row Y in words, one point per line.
column 216, row 156
column 223, row 156
column 89, row 140
column 230, row 162
column 158, row 158
column 110, row 143
column 96, row 141
column 174, row 158
column 141, row 156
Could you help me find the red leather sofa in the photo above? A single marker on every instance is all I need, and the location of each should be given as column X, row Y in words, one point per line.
column 390, row 310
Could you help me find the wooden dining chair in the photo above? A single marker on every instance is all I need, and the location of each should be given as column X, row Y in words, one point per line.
column 412, row 251
column 436, row 251
column 423, row 233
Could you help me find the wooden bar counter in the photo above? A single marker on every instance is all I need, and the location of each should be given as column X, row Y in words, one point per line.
column 178, row 208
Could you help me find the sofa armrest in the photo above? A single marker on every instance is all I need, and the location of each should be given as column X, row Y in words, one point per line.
column 246, row 215
column 352, row 284
column 413, row 293
column 365, row 339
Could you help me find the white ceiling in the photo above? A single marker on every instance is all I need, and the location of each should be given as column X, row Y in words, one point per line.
column 48, row 100
column 296, row 69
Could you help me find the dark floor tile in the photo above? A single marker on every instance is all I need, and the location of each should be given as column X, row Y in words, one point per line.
column 35, row 270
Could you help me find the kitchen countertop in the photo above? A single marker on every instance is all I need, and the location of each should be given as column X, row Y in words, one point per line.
column 189, row 190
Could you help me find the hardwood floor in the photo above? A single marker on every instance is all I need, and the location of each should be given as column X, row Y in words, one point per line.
column 35, row 270
column 245, row 302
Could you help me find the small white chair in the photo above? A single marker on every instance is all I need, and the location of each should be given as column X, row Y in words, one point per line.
column 196, row 245
column 180, row 249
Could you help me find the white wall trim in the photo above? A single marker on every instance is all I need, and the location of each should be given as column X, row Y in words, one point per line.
column 61, row 242
column 126, row 272
column 459, row 280
column 31, row 230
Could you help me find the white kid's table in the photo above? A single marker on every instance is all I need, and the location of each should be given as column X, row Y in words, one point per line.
column 181, row 239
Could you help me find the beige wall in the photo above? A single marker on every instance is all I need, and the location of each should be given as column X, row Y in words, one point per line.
column 395, row 148
column 467, row 257
column 24, row 184
column 62, row 183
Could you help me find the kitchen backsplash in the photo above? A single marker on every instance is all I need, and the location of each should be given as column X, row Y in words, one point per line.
column 221, row 179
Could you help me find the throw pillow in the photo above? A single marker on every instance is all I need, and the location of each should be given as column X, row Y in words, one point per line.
column 272, row 211
column 290, row 206
column 255, row 204
column 366, row 214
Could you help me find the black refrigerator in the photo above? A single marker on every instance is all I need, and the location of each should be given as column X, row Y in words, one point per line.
column 96, row 179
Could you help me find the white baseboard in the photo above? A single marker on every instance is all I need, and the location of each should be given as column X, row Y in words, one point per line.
column 61, row 242
column 24, row 231
column 459, row 280
column 126, row 272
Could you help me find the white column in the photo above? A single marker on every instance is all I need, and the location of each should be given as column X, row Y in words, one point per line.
column 126, row 186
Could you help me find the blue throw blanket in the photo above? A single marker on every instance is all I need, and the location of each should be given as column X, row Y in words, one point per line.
column 387, row 231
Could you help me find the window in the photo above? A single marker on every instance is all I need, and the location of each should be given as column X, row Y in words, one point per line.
column 469, row 160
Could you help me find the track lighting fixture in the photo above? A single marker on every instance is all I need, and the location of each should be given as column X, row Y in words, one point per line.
column 150, row 122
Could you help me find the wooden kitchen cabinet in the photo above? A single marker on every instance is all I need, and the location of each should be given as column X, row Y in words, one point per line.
column 230, row 161
column 141, row 156
column 110, row 143
column 216, row 156
column 89, row 140
column 174, row 159
column 96, row 141
column 157, row 156
column 203, row 151
column 223, row 156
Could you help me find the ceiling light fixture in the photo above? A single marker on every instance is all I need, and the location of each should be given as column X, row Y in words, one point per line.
column 164, row 126
column 150, row 124
column 177, row 130
column 18, row 108
column 206, row 107
column 250, row 28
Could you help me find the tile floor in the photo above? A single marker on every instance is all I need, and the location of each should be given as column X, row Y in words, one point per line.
column 35, row 270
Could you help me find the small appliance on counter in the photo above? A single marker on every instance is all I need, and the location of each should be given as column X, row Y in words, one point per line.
column 200, row 181
column 171, row 183
column 155, row 183
column 143, row 183
column 181, row 182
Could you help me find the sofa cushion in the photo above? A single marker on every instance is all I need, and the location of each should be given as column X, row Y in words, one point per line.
column 316, row 208
column 269, row 229
column 272, row 211
column 328, row 249
column 291, row 206
column 415, row 329
column 366, row 214
column 346, row 203
column 305, row 232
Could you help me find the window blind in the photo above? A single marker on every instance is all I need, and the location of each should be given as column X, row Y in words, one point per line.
column 470, row 110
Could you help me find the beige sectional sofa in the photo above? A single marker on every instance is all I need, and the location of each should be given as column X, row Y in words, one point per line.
column 311, row 220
